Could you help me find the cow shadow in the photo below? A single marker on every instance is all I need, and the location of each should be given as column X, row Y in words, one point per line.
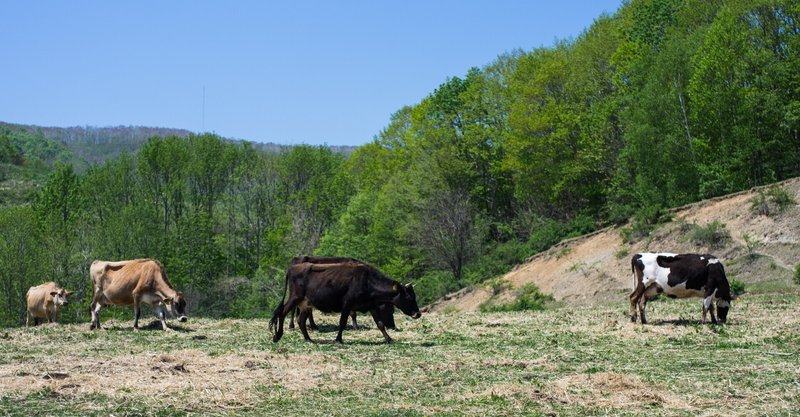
column 155, row 325
column 332, row 328
column 680, row 322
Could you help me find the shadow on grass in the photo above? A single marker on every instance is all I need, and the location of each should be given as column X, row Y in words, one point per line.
column 154, row 325
column 680, row 322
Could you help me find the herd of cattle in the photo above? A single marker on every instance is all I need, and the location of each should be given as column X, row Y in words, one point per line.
column 347, row 285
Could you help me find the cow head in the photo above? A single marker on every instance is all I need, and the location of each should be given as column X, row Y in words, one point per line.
column 60, row 297
column 406, row 300
column 177, row 306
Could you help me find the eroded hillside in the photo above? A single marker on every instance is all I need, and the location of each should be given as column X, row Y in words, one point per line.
column 596, row 267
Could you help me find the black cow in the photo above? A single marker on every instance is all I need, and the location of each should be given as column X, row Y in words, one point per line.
column 341, row 288
column 680, row 276
column 386, row 310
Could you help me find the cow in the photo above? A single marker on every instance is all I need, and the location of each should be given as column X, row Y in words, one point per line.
column 44, row 302
column 341, row 288
column 386, row 310
column 134, row 282
column 680, row 276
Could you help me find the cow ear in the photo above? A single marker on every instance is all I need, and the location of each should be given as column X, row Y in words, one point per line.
column 166, row 300
column 53, row 293
column 68, row 293
column 395, row 287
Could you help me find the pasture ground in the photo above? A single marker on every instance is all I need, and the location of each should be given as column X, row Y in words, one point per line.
column 570, row 360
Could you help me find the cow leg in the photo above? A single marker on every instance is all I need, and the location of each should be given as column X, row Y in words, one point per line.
column 378, row 322
column 28, row 319
column 162, row 316
column 342, row 324
column 642, row 308
column 708, row 306
column 634, row 300
column 311, row 323
column 96, row 307
column 353, row 317
column 301, row 323
column 291, row 319
column 137, row 311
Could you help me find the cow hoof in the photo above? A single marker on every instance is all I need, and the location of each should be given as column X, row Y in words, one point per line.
column 275, row 338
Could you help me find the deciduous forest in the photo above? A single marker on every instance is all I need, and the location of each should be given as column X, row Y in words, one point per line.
column 664, row 103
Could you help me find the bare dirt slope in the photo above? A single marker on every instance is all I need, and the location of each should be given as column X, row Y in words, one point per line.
column 596, row 267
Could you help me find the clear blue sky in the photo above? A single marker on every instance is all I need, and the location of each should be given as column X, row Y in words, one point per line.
column 290, row 72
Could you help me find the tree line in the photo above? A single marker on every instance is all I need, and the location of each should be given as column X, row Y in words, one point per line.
column 663, row 103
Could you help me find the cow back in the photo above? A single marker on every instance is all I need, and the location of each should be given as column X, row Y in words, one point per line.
column 119, row 280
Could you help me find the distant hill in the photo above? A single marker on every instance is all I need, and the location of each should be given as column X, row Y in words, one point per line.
column 28, row 152
column 84, row 146
column 88, row 145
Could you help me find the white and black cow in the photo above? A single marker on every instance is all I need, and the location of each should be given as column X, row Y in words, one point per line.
column 680, row 276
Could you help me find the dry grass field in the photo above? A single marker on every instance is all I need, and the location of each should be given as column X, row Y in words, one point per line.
column 569, row 360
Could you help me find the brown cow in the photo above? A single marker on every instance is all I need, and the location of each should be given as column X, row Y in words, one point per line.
column 134, row 282
column 44, row 302
column 342, row 288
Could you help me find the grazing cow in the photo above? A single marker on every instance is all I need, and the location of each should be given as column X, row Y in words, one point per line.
column 342, row 288
column 680, row 276
column 44, row 302
column 386, row 310
column 134, row 282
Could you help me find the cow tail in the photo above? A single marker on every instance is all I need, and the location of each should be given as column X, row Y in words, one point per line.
column 633, row 275
column 277, row 312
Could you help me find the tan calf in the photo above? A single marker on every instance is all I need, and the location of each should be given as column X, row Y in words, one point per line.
column 134, row 282
column 44, row 302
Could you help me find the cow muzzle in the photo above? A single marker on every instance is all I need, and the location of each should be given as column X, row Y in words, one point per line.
column 183, row 319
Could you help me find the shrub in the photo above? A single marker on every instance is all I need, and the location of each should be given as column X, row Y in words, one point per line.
column 751, row 244
column 528, row 298
column 762, row 203
column 737, row 287
column 498, row 285
column 759, row 204
column 782, row 198
column 797, row 274
column 644, row 222
column 713, row 235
